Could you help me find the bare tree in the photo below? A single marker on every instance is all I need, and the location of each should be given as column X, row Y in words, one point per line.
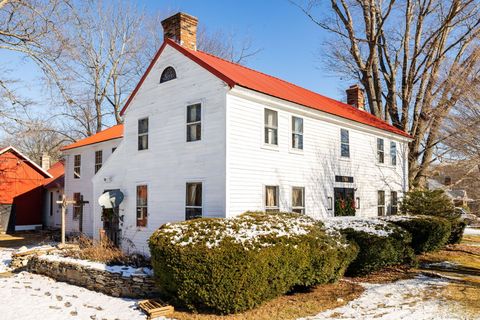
column 413, row 57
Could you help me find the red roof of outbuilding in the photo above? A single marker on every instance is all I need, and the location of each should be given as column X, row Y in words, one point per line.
column 111, row 133
column 57, row 170
column 235, row 74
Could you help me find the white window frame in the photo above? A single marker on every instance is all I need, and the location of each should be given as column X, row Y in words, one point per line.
column 294, row 133
column 302, row 208
column 381, row 151
column 98, row 165
column 77, row 175
column 393, row 156
column 142, row 206
column 265, row 127
column 143, row 134
column 346, row 143
column 202, row 198
column 201, row 122
column 270, row 208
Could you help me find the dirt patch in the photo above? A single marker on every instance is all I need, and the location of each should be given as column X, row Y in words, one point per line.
column 20, row 239
column 293, row 306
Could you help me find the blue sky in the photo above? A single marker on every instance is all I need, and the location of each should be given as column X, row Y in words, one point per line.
column 290, row 42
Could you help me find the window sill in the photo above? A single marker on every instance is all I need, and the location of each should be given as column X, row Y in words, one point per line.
column 345, row 159
column 270, row 147
column 296, row 151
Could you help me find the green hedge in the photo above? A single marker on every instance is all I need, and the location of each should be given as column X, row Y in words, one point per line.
column 232, row 265
column 381, row 244
column 457, row 229
column 428, row 233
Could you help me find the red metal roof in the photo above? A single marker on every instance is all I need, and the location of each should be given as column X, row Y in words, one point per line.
column 111, row 133
column 235, row 74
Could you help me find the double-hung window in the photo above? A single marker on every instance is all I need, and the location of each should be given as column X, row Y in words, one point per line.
column 297, row 133
column 393, row 153
column 143, row 134
column 380, row 151
column 142, row 206
column 345, row 143
column 77, row 206
column 381, row 203
column 298, row 199
column 77, row 164
column 98, row 160
column 193, row 201
column 271, row 127
column 194, row 122
column 393, row 202
column 271, row 199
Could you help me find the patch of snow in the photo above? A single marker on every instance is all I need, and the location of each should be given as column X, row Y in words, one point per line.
column 29, row 297
column 442, row 264
column 5, row 259
column 126, row 271
column 244, row 229
column 413, row 299
column 472, row 231
column 372, row 226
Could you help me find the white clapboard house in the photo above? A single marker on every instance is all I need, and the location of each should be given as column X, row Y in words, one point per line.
column 204, row 137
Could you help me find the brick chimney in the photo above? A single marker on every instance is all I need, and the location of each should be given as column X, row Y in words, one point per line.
column 356, row 97
column 45, row 161
column 182, row 28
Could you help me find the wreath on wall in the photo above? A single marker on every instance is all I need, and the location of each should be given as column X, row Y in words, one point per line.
column 345, row 207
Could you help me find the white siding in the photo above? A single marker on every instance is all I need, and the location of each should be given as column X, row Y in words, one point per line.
column 170, row 161
column 54, row 220
column 84, row 185
column 251, row 165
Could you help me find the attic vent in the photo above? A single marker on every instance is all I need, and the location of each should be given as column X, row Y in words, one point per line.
column 168, row 74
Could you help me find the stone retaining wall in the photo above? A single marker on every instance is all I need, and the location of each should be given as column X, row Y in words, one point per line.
column 113, row 284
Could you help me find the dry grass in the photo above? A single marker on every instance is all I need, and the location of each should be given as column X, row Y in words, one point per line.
column 101, row 251
column 293, row 306
column 465, row 294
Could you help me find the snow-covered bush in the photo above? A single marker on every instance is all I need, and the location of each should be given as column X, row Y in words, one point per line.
column 428, row 233
column 381, row 243
column 231, row 265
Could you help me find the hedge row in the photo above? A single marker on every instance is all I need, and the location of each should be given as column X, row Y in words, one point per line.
column 231, row 265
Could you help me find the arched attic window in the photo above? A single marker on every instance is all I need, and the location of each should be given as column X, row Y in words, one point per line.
column 168, row 74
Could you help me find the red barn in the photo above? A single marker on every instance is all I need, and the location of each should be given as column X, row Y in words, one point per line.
column 21, row 191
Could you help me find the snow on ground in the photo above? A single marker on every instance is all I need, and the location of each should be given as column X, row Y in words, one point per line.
column 413, row 299
column 31, row 296
column 472, row 231
column 5, row 259
column 28, row 296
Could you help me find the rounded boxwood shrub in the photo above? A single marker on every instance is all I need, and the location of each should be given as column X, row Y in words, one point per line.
column 380, row 243
column 232, row 265
column 457, row 229
column 428, row 233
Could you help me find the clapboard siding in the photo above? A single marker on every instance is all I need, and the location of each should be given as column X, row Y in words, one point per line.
column 251, row 165
column 84, row 185
column 170, row 161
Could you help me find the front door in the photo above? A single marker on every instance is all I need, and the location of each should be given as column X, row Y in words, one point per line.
column 111, row 225
column 344, row 201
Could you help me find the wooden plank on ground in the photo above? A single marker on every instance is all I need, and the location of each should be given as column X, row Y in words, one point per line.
column 155, row 308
